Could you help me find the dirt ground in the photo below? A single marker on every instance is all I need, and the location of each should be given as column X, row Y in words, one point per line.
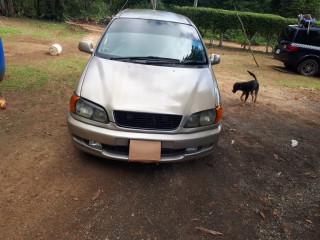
column 255, row 186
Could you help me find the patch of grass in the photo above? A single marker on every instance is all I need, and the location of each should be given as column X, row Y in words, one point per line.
column 304, row 82
column 34, row 73
column 4, row 30
column 41, row 29
column 27, row 77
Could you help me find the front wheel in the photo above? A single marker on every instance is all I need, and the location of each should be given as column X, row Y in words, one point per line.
column 308, row 67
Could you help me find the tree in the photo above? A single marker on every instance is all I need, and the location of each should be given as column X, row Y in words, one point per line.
column 6, row 7
column 291, row 8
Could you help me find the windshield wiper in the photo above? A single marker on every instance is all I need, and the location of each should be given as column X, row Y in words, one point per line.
column 147, row 59
column 193, row 62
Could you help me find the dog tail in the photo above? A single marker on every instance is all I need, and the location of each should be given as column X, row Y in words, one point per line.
column 255, row 78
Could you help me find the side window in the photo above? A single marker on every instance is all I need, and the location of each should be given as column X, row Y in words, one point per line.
column 311, row 38
column 315, row 38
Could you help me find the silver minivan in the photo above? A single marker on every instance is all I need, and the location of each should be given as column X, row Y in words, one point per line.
column 148, row 92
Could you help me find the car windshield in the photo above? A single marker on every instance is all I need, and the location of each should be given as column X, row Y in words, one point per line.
column 152, row 41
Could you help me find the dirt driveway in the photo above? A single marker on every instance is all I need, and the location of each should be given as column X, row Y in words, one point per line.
column 256, row 186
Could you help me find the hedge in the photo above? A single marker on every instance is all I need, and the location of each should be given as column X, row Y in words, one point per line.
column 266, row 25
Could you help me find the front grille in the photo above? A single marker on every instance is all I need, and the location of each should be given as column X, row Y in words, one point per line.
column 148, row 121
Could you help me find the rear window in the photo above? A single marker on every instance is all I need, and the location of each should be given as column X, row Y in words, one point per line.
column 311, row 38
column 288, row 34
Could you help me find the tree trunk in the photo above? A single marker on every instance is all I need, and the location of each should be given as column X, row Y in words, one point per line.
column 38, row 8
column 220, row 39
column 6, row 7
column 154, row 4
column 53, row 6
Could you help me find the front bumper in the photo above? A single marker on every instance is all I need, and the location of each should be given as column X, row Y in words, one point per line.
column 115, row 143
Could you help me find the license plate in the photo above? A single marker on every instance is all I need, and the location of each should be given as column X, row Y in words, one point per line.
column 278, row 51
column 144, row 151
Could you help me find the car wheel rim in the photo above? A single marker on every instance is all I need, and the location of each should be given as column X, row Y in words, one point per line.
column 308, row 68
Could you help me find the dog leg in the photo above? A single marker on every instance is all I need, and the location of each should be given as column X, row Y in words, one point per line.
column 242, row 96
column 255, row 94
column 247, row 95
column 251, row 93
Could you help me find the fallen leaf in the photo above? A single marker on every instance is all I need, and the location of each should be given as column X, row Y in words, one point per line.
column 309, row 174
column 97, row 195
column 262, row 215
column 287, row 230
column 275, row 213
column 212, row 232
column 235, row 185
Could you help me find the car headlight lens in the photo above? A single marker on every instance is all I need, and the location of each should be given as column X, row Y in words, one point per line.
column 201, row 119
column 87, row 109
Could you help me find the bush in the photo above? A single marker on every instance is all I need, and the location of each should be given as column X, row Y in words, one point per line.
column 220, row 21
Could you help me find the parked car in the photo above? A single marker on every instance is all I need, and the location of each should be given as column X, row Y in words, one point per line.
column 299, row 49
column 148, row 92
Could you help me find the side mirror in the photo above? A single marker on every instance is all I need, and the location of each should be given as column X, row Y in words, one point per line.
column 86, row 46
column 215, row 59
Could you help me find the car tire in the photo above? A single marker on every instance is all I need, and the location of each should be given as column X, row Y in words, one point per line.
column 308, row 67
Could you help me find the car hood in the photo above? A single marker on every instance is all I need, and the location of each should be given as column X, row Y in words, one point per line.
column 117, row 85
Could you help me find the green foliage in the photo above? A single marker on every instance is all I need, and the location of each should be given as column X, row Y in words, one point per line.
column 291, row 8
column 217, row 20
column 78, row 8
column 116, row 6
column 285, row 8
column 6, row 30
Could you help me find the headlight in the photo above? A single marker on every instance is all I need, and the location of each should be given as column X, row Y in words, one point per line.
column 87, row 109
column 201, row 119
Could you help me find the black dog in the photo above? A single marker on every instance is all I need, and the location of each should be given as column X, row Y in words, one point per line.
column 251, row 87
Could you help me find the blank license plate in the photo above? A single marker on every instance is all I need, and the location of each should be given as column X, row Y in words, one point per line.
column 144, row 151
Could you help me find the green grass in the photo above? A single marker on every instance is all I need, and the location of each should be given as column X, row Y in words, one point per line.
column 304, row 82
column 36, row 72
column 4, row 30
column 28, row 77
column 41, row 29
